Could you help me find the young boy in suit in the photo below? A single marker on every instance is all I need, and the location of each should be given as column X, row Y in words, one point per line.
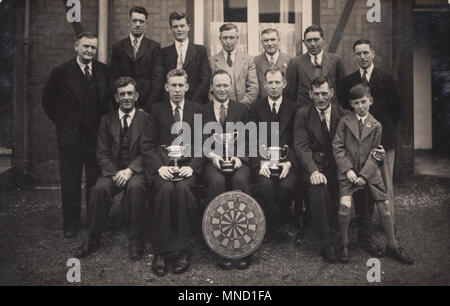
column 357, row 135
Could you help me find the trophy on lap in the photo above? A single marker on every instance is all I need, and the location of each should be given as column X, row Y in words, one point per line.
column 175, row 153
column 225, row 140
column 273, row 155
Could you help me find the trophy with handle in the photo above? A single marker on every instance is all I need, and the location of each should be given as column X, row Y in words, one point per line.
column 226, row 139
column 274, row 157
column 175, row 153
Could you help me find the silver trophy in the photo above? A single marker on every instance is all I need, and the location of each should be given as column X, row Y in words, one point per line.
column 274, row 157
column 175, row 153
column 226, row 139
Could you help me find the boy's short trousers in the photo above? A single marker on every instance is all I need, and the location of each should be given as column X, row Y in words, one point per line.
column 378, row 191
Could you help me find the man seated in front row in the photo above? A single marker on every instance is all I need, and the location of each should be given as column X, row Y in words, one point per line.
column 275, row 188
column 120, row 160
column 224, row 111
column 174, row 206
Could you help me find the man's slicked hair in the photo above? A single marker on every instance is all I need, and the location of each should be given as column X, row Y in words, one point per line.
column 359, row 91
column 221, row 71
column 86, row 35
column 313, row 28
column 362, row 42
column 319, row 81
column 275, row 69
column 270, row 30
column 228, row 27
column 178, row 15
column 124, row 81
column 176, row 73
column 139, row 10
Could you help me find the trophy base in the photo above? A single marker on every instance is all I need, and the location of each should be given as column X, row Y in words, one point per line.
column 176, row 176
column 275, row 172
column 227, row 167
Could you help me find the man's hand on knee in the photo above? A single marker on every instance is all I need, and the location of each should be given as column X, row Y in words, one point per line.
column 317, row 178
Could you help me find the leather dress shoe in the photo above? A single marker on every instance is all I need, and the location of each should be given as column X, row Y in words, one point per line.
column 135, row 252
column 181, row 264
column 399, row 255
column 343, row 255
column 70, row 233
column 159, row 266
column 85, row 249
column 370, row 247
column 243, row 263
column 328, row 254
column 225, row 264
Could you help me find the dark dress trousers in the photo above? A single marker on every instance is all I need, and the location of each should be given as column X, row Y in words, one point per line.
column 275, row 195
column 174, row 206
column 146, row 68
column 301, row 72
column 313, row 147
column 196, row 65
column 75, row 105
column 118, row 149
column 214, row 178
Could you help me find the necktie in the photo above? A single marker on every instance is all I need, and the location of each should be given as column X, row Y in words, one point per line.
column 180, row 56
column 323, row 121
column 87, row 73
column 229, row 61
column 222, row 115
column 271, row 62
column 364, row 79
column 125, row 122
column 360, row 125
column 177, row 115
column 135, row 47
column 316, row 62
column 274, row 115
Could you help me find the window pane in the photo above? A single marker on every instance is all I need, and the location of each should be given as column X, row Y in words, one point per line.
column 235, row 10
column 271, row 11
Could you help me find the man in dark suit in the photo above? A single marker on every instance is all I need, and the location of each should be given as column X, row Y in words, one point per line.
column 315, row 127
column 140, row 58
column 174, row 206
column 219, row 114
column 75, row 97
column 271, row 57
column 120, row 160
column 305, row 68
column 386, row 107
column 275, row 193
column 185, row 55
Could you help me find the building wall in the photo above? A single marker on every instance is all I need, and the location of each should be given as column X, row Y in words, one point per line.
column 51, row 43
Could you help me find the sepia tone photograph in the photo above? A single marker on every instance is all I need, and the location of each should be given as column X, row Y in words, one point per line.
column 227, row 143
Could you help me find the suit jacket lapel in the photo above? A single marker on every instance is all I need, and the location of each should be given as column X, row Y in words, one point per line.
column 316, row 127
column 190, row 53
column 142, row 48
column 231, row 112
column 263, row 63
column 238, row 65
column 137, row 127
column 284, row 113
column 306, row 64
column 352, row 124
column 326, row 63
column 334, row 120
column 116, row 126
column 220, row 60
column 128, row 48
column 78, row 75
column 369, row 126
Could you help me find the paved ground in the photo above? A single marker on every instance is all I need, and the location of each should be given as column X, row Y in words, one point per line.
column 33, row 252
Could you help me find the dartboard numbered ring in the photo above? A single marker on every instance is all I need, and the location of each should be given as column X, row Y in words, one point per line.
column 234, row 225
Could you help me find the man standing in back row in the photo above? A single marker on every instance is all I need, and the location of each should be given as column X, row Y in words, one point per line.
column 140, row 58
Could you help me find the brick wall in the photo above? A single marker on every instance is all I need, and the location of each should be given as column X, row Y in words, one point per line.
column 52, row 39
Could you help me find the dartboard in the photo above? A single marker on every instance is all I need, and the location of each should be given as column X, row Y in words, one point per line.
column 234, row 225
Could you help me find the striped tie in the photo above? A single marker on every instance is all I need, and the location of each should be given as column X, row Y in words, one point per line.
column 135, row 47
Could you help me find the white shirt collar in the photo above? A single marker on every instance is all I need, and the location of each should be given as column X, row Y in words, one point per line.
column 139, row 39
column 277, row 103
column 217, row 104
column 319, row 58
column 181, row 105
column 84, row 65
column 275, row 56
column 131, row 114
column 363, row 118
column 327, row 115
column 185, row 43
column 369, row 71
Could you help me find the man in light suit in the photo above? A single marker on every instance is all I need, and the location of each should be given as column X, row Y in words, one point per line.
column 272, row 57
column 386, row 109
column 75, row 97
column 184, row 54
column 122, row 168
column 305, row 68
column 240, row 66
column 140, row 58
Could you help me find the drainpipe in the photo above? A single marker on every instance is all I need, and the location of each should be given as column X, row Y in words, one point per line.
column 103, row 31
column 26, row 55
